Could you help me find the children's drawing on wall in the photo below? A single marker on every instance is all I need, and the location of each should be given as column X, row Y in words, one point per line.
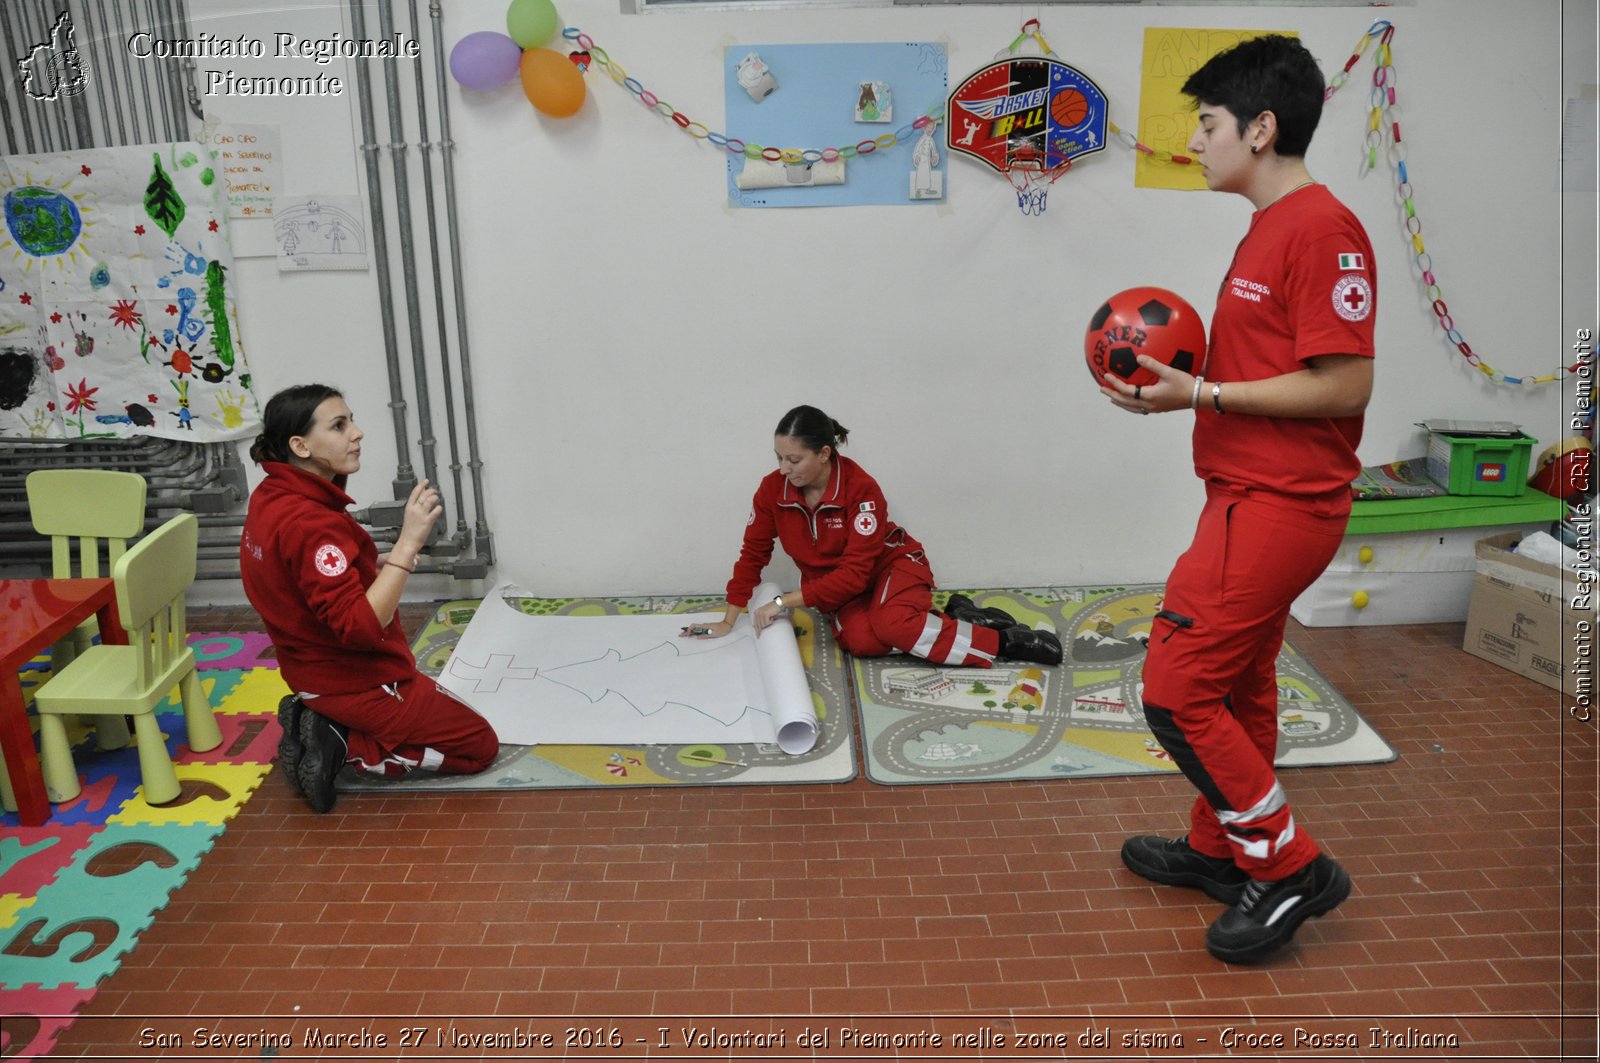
column 116, row 309
column 926, row 181
column 874, row 102
column 319, row 232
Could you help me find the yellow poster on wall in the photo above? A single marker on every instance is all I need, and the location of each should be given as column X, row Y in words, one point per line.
column 1166, row 115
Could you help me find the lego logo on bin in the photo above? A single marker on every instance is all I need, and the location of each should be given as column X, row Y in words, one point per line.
column 1492, row 472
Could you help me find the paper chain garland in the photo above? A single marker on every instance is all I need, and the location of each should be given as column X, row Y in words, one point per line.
column 734, row 145
column 1385, row 111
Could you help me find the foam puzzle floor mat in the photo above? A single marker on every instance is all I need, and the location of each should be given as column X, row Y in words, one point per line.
column 832, row 759
column 924, row 724
column 76, row 892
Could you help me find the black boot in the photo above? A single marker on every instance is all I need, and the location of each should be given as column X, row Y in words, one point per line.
column 1020, row 643
column 290, row 747
column 960, row 607
column 323, row 756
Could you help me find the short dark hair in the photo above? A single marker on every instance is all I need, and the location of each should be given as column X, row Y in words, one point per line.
column 1272, row 73
column 289, row 413
column 813, row 428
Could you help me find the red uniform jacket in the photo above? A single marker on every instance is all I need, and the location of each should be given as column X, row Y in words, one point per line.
column 839, row 547
column 306, row 566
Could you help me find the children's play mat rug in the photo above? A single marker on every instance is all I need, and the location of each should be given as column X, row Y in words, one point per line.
column 77, row 891
column 831, row 759
column 922, row 724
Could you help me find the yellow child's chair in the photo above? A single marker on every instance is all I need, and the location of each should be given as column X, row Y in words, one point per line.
column 103, row 511
column 132, row 680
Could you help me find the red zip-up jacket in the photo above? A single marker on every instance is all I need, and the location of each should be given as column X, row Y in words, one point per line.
column 306, row 566
column 839, row 548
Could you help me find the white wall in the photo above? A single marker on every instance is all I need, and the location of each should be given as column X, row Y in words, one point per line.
column 634, row 340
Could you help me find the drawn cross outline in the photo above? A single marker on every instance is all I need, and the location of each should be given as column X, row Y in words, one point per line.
column 488, row 677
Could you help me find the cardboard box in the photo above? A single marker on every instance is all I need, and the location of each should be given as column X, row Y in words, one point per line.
column 1523, row 616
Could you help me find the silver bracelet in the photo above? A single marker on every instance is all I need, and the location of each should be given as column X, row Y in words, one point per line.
column 1194, row 400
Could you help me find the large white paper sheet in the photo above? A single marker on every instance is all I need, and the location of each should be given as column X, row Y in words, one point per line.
column 595, row 680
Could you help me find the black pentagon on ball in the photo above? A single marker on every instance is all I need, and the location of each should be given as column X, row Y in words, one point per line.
column 1098, row 322
column 1122, row 361
column 1183, row 360
column 1155, row 312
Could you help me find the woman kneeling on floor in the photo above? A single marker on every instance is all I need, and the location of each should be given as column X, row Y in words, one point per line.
column 330, row 605
column 857, row 564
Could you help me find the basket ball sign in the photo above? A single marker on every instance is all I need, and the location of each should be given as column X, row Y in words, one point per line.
column 1051, row 111
column 1139, row 321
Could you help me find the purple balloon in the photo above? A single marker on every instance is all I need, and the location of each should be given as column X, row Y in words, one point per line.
column 485, row 60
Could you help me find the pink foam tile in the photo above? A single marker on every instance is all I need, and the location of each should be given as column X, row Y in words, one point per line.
column 233, row 649
column 36, row 1017
column 31, row 857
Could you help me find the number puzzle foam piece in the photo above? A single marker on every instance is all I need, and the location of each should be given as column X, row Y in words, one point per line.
column 11, row 908
column 216, row 685
column 222, row 790
column 35, row 1017
column 249, row 739
column 79, row 926
column 258, row 690
column 31, row 857
column 233, row 649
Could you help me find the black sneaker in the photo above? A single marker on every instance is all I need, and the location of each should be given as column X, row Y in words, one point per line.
column 1269, row 913
column 1021, row 643
column 323, row 756
column 960, row 607
column 290, row 748
column 1172, row 862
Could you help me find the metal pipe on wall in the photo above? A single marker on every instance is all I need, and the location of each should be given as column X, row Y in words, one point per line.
column 111, row 72
column 460, row 534
column 483, row 537
column 405, row 476
column 408, row 253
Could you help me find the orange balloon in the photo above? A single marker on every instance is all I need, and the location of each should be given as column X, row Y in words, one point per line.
column 552, row 82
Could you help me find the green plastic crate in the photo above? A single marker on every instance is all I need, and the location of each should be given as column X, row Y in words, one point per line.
column 1480, row 465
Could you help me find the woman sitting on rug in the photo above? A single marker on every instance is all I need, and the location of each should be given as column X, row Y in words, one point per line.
column 329, row 603
column 858, row 564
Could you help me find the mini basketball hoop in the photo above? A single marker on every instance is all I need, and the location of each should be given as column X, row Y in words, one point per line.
column 1031, row 173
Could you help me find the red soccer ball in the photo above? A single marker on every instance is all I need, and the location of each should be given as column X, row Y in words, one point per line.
column 1139, row 321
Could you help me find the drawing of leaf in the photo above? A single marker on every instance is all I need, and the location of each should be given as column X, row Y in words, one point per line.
column 162, row 201
column 217, row 303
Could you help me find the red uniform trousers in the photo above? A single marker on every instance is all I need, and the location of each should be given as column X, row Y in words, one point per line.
column 1210, row 679
column 898, row 615
column 412, row 724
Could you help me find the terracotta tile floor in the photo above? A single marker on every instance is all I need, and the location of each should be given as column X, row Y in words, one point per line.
column 997, row 909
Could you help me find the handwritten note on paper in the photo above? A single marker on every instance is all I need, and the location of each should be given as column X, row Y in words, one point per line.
column 319, row 232
column 250, row 158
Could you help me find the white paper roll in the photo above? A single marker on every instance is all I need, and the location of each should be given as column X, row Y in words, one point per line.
column 783, row 678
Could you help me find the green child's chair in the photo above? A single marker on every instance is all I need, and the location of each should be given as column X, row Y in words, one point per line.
column 98, row 509
column 131, row 680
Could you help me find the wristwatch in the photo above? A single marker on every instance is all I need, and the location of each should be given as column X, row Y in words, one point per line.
column 778, row 601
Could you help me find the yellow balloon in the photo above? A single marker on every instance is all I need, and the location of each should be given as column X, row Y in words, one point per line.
column 1359, row 599
column 552, row 82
